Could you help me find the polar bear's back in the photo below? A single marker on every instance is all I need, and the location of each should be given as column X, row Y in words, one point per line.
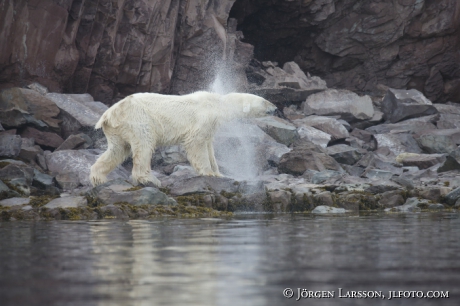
column 171, row 118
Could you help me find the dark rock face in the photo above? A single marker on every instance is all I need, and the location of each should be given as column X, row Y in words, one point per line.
column 360, row 44
column 111, row 49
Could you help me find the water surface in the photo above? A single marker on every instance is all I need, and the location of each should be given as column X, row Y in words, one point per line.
column 244, row 260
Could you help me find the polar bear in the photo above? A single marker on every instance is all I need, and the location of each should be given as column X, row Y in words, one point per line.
column 139, row 123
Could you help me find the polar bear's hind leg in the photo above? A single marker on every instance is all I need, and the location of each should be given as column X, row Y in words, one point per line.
column 117, row 151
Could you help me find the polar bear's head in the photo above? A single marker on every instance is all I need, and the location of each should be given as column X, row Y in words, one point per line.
column 250, row 105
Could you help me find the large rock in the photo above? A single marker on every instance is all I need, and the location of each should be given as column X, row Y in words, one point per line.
column 345, row 154
column 314, row 135
column 119, row 191
column 328, row 125
column 346, row 104
column 17, row 171
column 78, row 112
column 405, row 104
column 79, row 141
column 439, row 141
column 10, row 145
column 306, row 156
column 28, row 106
column 396, row 144
column 279, row 129
column 282, row 86
column 411, row 205
column 77, row 163
column 46, row 139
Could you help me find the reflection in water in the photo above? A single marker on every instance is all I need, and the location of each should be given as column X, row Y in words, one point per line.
column 246, row 260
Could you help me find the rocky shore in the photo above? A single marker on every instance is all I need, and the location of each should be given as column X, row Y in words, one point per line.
column 328, row 151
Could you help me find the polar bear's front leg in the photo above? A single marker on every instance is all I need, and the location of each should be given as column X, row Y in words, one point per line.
column 212, row 160
column 198, row 156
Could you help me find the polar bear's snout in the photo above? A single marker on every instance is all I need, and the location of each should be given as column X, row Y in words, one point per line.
column 271, row 108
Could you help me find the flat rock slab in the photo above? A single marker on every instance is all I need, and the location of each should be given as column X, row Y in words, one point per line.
column 399, row 104
column 118, row 193
column 323, row 209
column 344, row 103
column 422, row 161
column 204, row 184
column 414, row 125
column 67, row 202
column 14, row 201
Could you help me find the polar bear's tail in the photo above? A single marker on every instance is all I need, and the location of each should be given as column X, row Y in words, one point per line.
column 110, row 116
column 102, row 121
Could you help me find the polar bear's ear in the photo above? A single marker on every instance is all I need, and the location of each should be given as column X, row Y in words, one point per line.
column 246, row 107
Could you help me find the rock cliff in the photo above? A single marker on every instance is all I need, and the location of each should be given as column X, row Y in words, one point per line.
column 111, row 48
column 358, row 44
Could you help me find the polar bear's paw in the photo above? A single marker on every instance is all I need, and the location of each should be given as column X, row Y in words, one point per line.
column 150, row 182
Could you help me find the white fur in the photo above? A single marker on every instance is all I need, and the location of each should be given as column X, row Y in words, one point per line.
column 139, row 123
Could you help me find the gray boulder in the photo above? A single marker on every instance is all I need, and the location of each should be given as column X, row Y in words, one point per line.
column 46, row 139
column 18, row 170
column 344, row 103
column 411, row 205
column 323, row 209
column 79, row 113
column 396, row 143
column 76, row 164
column 306, row 155
column 345, row 154
column 439, row 141
column 10, row 145
column 19, row 106
column 79, row 141
column 453, row 196
column 314, row 135
column 279, row 129
column 328, row 125
column 399, row 104
column 204, row 184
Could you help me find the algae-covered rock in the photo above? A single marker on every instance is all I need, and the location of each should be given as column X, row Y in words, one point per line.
column 120, row 191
